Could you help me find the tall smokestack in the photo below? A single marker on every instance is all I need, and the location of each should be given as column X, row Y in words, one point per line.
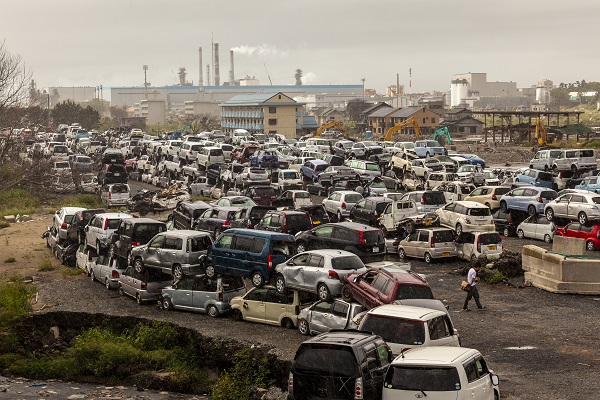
column 200, row 81
column 216, row 68
column 208, row 74
column 231, row 74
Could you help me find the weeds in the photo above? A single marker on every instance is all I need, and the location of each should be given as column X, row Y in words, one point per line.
column 14, row 301
column 4, row 224
column 17, row 201
column 81, row 200
column 45, row 266
column 10, row 260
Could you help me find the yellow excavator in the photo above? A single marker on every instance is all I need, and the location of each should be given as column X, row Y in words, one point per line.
column 407, row 122
column 331, row 124
column 544, row 138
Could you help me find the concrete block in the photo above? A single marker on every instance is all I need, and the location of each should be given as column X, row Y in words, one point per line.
column 567, row 245
column 10, row 218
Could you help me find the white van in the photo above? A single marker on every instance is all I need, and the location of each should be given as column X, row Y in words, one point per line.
column 440, row 373
column 470, row 245
column 318, row 145
column 544, row 159
column 239, row 136
column 115, row 194
column 575, row 159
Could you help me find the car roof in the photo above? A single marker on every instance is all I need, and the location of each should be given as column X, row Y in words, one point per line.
column 114, row 215
column 403, row 311
column 73, row 210
column 317, row 161
column 331, row 253
column 355, row 225
column 137, row 221
column 185, row 233
column 471, row 204
column 435, row 355
column 253, row 232
column 349, row 338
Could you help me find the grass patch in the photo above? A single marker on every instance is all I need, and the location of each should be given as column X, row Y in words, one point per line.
column 72, row 271
column 82, row 200
column 201, row 198
column 14, row 301
column 17, row 201
column 10, row 260
column 45, row 266
column 4, row 224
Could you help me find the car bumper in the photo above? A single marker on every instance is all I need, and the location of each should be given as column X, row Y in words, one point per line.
column 443, row 252
column 479, row 228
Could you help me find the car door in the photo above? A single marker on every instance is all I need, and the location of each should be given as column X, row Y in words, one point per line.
column 422, row 244
column 358, row 210
column 313, row 273
column 182, row 296
column 441, row 332
column 575, row 205
column 561, row 205
column 322, row 238
column 516, row 200
column 293, row 272
column 446, row 213
column 320, row 314
column 254, row 304
column 542, row 228
column 410, row 246
column 151, row 255
column 276, row 303
column 171, row 252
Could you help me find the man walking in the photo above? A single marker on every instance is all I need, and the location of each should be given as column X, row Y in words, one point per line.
column 472, row 278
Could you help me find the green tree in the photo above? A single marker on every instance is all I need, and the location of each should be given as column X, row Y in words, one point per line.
column 68, row 112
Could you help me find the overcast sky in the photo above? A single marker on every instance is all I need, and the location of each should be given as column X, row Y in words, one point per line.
column 106, row 42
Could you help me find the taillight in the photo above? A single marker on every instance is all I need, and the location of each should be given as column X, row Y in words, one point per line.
column 358, row 389
column 143, row 285
column 109, row 195
column 226, row 223
column 291, row 384
column 598, row 234
column 257, row 198
column 431, row 241
column 135, row 244
column 105, row 226
column 220, row 296
column 479, row 244
column 361, row 237
column 297, row 310
column 284, row 224
column 64, row 225
column 190, row 152
column 249, row 225
column 115, row 274
column 343, row 205
column 539, row 200
column 331, row 274
column 494, row 197
column 423, row 199
column 248, row 176
column 270, row 261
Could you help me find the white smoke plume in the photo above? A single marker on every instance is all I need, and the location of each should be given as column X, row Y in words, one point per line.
column 264, row 49
column 308, row 78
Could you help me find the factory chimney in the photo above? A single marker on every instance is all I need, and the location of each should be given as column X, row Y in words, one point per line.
column 216, row 67
column 200, row 81
column 231, row 73
column 208, row 74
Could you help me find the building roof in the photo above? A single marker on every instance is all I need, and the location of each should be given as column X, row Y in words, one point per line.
column 463, row 120
column 457, row 110
column 382, row 112
column 406, row 112
column 375, row 106
column 254, row 99
column 309, row 121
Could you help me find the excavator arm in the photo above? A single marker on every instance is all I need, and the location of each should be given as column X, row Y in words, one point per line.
column 330, row 124
column 444, row 132
column 398, row 127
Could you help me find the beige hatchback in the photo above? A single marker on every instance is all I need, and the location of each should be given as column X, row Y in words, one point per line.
column 428, row 244
column 488, row 195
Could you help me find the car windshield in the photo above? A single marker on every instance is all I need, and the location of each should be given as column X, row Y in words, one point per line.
column 480, row 212
column 237, row 202
column 378, row 184
column 369, row 144
column 432, row 143
column 395, row 330
column 347, row 145
column 409, row 146
column 422, row 379
column 298, row 222
column 394, row 196
column 302, row 195
column 326, row 359
column 347, row 263
column 467, row 168
column 434, row 198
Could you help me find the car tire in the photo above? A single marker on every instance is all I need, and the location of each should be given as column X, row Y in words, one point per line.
column 401, row 254
column 503, row 207
column 459, row 229
column 583, row 218
column 213, row 311
column 98, row 247
column 347, row 293
column 323, row 292
column 257, row 279
column 339, row 217
column 92, row 275
column 138, row 299
column 121, row 291
column 531, row 210
column 549, row 214
column 303, row 327
column 506, row 232
column 280, row 283
column 520, row 234
column 547, row 238
column 427, row 258
column 287, row 323
column 590, row 246
column 138, row 265
column 301, row 247
column 107, row 283
column 177, row 271
column 210, row 270
column 237, row 315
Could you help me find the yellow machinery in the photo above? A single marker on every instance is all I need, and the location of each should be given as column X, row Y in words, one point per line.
column 331, row 124
column 542, row 136
column 396, row 128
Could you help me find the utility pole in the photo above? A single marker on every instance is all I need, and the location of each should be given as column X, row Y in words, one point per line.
column 145, row 83
column 363, row 82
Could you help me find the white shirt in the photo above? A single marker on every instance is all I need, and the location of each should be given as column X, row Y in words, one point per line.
column 471, row 277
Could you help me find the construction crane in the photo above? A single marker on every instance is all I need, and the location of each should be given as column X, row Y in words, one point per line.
column 443, row 132
column 542, row 136
column 331, row 124
column 396, row 128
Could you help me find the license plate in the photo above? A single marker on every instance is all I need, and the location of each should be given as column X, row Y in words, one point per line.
column 445, row 254
column 316, row 222
column 375, row 249
column 116, row 174
column 491, row 247
column 427, row 222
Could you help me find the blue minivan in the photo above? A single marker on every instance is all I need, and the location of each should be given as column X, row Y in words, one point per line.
column 249, row 253
column 536, row 178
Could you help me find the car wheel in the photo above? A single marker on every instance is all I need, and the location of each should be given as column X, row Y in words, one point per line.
column 138, row 299
column 213, row 311
column 177, row 271
column 138, row 265
column 339, row 217
column 324, row 293
column 237, row 315
column 531, row 210
column 401, row 253
column 301, row 247
column 506, row 232
column 459, row 229
column 346, row 293
column 257, row 279
column 287, row 323
column 547, row 238
column 520, row 234
column 210, row 270
column 303, row 327
column 280, row 284
column 427, row 258
column 107, row 283
column 583, row 219
column 92, row 275
column 590, row 246
column 516, row 179
column 98, row 247
column 549, row 214
column 121, row 291
column 503, row 207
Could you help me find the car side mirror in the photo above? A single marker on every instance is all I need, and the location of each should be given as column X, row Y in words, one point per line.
column 495, row 380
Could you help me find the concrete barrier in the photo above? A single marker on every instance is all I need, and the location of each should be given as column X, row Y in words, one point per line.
column 561, row 273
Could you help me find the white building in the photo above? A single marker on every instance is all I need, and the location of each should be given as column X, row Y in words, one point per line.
column 154, row 111
column 470, row 87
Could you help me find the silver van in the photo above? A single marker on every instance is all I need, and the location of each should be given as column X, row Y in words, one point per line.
column 575, row 160
column 428, row 244
column 143, row 286
column 544, row 159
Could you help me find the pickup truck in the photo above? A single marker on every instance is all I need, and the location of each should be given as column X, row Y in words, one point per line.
column 286, row 179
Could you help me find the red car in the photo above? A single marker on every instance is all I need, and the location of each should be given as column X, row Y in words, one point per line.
column 590, row 233
column 384, row 285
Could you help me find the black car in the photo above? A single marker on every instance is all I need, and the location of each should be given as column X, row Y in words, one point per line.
column 369, row 210
column 290, row 222
column 333, row 159
column 338, row 364
column 365, row 241
column 186, row 213
column 248, row 217
column 216, row 220
column 112, row 173
column 317, row 213
column 507, row 222
column 75, row 230
column 133, row 232
column 113, row 156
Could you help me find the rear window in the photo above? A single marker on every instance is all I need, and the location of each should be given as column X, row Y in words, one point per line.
column 156, row 275
column 321, row 167
column 545, row 176
column 372, row 167
column 84, row 159
column 443, row 236
column 596, row 200
column 395, row 330
column 200, row 243
column 380, row 207
column 326, row 359
column 113, row 223
column 216, row 152
column 257, row 171
column 120, row 189
column 290, row 175
column 490, row 238
column 353, row 198
column 548, row 195
column 63, row 164
column 480, row 212
column 346, row 263
column 60, row 149
column 144, row 232
column 373, row 237
column 303, row 195
column 422, row 379
column 434, row 198
column 413, row 292
column 501, row 190
column 266, row 191
column 298, row 222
